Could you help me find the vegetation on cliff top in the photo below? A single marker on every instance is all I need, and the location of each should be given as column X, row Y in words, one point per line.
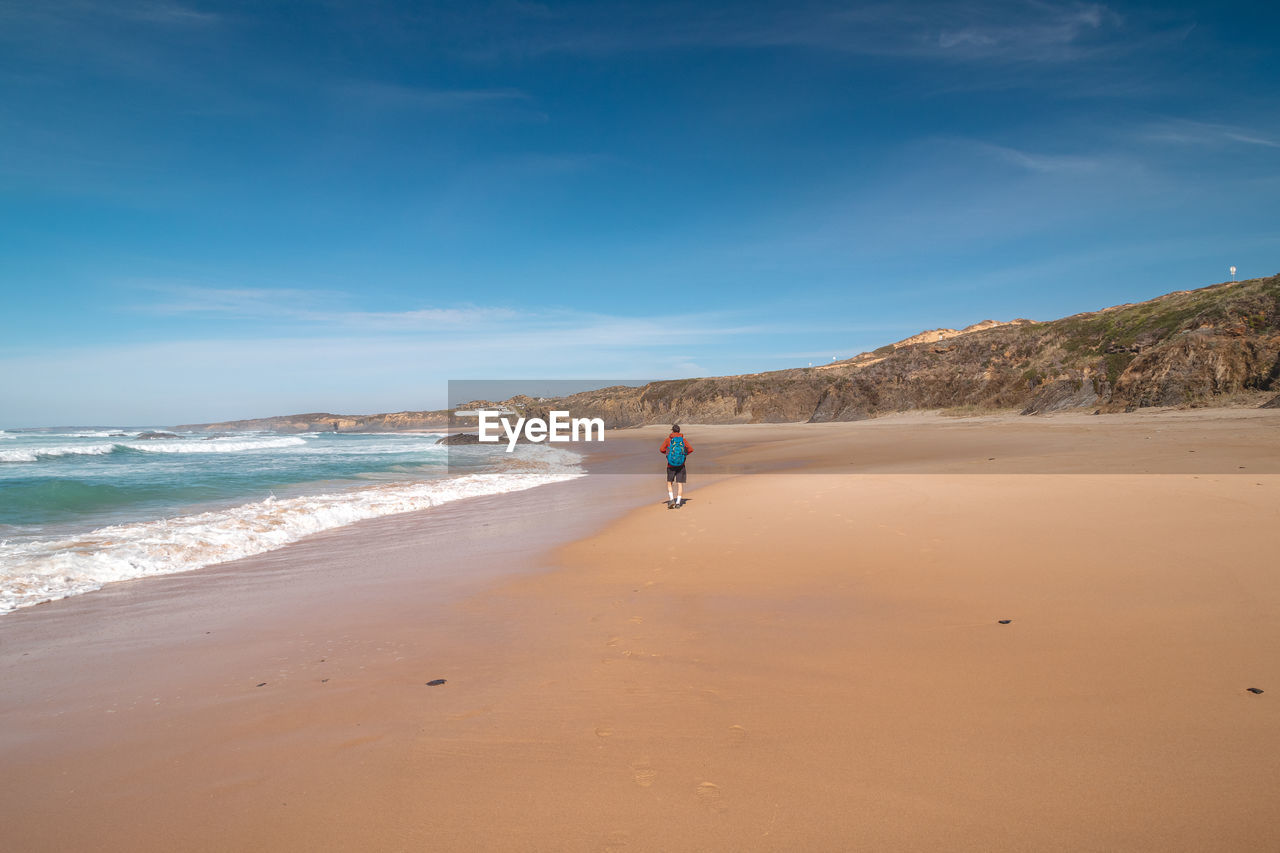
column 1184, row 348
column 1192, row 347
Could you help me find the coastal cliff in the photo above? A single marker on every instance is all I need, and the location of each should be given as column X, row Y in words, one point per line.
column 1188, row 348
column 1200, row 347
column 326, row 422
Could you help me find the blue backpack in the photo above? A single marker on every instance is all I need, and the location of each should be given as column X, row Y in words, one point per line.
column 675, row 452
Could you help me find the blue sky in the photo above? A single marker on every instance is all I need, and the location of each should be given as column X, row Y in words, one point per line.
column 214, row 210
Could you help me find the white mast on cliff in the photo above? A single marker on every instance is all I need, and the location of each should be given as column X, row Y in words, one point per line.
column 1233, row 272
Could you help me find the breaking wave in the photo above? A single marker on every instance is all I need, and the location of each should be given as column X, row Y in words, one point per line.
column 32, row 572
column 216, row 445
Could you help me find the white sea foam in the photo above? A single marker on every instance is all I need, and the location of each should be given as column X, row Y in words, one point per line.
column 36, row 571
column 376, row 448
column 35, row 454
column 214, row 445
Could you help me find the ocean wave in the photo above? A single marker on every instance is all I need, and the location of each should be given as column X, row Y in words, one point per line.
column 45, row 570
column 97, row 433
column 216, row 445
column 377, row 449
column 213, row 445
column 35, row 454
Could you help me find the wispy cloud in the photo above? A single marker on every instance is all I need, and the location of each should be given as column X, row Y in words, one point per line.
column 1043, row 32
column 315, row 312
column 173, row 299
column 974, row 31
column 165, row 13
column 1039, row 162
column 156, row 43
column 373, row 361
column 76, row 12
column 318, row 313
column 303, row 309
column 1188, row 132
column 417, row 319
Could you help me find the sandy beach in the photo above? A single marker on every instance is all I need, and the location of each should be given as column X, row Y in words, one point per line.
column 808, row 656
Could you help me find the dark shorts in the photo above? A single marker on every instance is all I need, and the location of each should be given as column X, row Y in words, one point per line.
column 676, row 474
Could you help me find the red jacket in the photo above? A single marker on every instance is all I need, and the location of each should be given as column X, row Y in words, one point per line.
column 666, row 445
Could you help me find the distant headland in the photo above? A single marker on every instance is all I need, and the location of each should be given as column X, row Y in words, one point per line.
column 1213, row 346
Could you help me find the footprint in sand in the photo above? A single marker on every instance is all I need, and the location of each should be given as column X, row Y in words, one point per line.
column 737, row 735
column 604, row 731
column 643, row 772
column 708, row 793
column 612, row 641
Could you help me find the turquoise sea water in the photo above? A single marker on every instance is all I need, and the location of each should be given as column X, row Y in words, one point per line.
column 86, row 506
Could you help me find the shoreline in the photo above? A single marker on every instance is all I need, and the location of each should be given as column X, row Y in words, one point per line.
column 111, row 682
column 807, row 658
column 68, row 552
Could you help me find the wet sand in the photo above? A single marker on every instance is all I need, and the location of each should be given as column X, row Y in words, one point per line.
column 807, row 656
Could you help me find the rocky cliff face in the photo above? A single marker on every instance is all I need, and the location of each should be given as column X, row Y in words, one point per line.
column 1185, row 348
column 326, row 422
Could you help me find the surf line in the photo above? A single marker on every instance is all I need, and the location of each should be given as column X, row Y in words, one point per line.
column 558, row 427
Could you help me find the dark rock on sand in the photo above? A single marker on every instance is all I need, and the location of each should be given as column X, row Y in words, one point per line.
column 1273, row 403
column 1064, row 394
column 436, row 682
column 1005, row 621
column 1254, row 690
column 459, row 438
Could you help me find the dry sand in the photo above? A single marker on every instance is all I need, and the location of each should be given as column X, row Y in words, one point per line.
column 807, row 657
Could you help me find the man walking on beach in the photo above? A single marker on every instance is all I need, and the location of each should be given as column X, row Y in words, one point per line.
column 676, row 448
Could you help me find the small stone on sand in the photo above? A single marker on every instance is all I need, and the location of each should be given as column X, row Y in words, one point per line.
column 1254, row 690
column 436, row 682
column 1005, row 621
